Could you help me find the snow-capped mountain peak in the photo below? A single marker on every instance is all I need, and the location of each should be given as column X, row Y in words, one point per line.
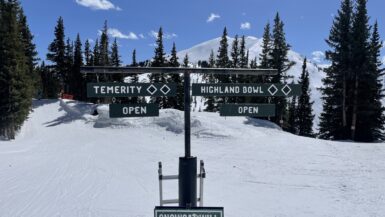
column 202, row 51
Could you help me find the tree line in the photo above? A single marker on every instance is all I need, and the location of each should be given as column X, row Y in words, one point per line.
column 351, row 93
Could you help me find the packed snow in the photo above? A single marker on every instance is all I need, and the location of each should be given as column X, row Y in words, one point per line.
column 68, row 163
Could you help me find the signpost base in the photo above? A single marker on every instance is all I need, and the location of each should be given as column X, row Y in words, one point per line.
column 167, row 211
column 188, row 182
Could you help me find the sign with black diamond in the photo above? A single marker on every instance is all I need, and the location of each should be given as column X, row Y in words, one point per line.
column 130, row 89
column 224, row 89
column 133, row 110
column 251, row 110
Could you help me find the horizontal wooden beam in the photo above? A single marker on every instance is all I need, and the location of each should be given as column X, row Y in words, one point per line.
column 172, row 70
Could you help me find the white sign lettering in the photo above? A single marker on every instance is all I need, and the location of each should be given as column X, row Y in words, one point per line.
column 137, row 110
column 248, row 110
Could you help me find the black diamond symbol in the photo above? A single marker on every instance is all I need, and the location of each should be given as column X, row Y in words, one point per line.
column 286, row 89
column 272, row 89
column 152, row 89
column 165, row 89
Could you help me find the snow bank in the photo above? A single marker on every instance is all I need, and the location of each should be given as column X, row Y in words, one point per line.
column 63, row 165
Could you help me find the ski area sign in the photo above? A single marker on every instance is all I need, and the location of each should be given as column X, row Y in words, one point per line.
column 187, row 177
column 251, row 110
column 224, row 89
column 129, row 89
column 133, row 110
column 162, row 211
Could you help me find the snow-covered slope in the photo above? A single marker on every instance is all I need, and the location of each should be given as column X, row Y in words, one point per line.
column 202, row 52
column 68, row 163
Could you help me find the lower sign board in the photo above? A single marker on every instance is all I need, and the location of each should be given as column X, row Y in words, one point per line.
column 164, row 211
column 224, row 89
column 130, row 89
column 133, row 110
column 252, row 110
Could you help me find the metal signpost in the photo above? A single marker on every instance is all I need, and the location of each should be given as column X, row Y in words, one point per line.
column 187, row 177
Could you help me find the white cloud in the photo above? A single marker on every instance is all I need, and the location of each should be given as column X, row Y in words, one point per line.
column 318, row 56
column 245, row 25
column 98, row 4
column 154, row 34
column 383, row 60
column 116, row 33
column 170, row 35
column 141, row 36
column 212, row 17
column 91, row 41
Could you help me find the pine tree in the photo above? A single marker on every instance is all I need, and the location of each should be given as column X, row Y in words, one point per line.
column 304, row 112
column 243, row 57
column 115, row 57
column 185, row 61
column 174, row 58
column 377, row 116
column 266, row 48
column 293, row 116
column 91, row 59
column 135, row 79
column 176, row 102
column 336, row 95
column 210, row 101
column 79, row 82
column 30, row 51
column 253, row 63
column 222, row 61
column 159, row 60
column 15, row 80
column 212, row 60
column 50, row 83
column 104, row 59
column 56, row 52
column 235, row 62
column 280, row 62
column 235, row 53
column 87, row 53
column 367, row 108
column 96, row 54
column 69, row 62
column 134, row 63
column 115, row 61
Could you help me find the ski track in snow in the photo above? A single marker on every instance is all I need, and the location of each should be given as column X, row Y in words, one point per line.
column 62, row 165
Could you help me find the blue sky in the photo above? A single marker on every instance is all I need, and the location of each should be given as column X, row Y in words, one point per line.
column 187, row 23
